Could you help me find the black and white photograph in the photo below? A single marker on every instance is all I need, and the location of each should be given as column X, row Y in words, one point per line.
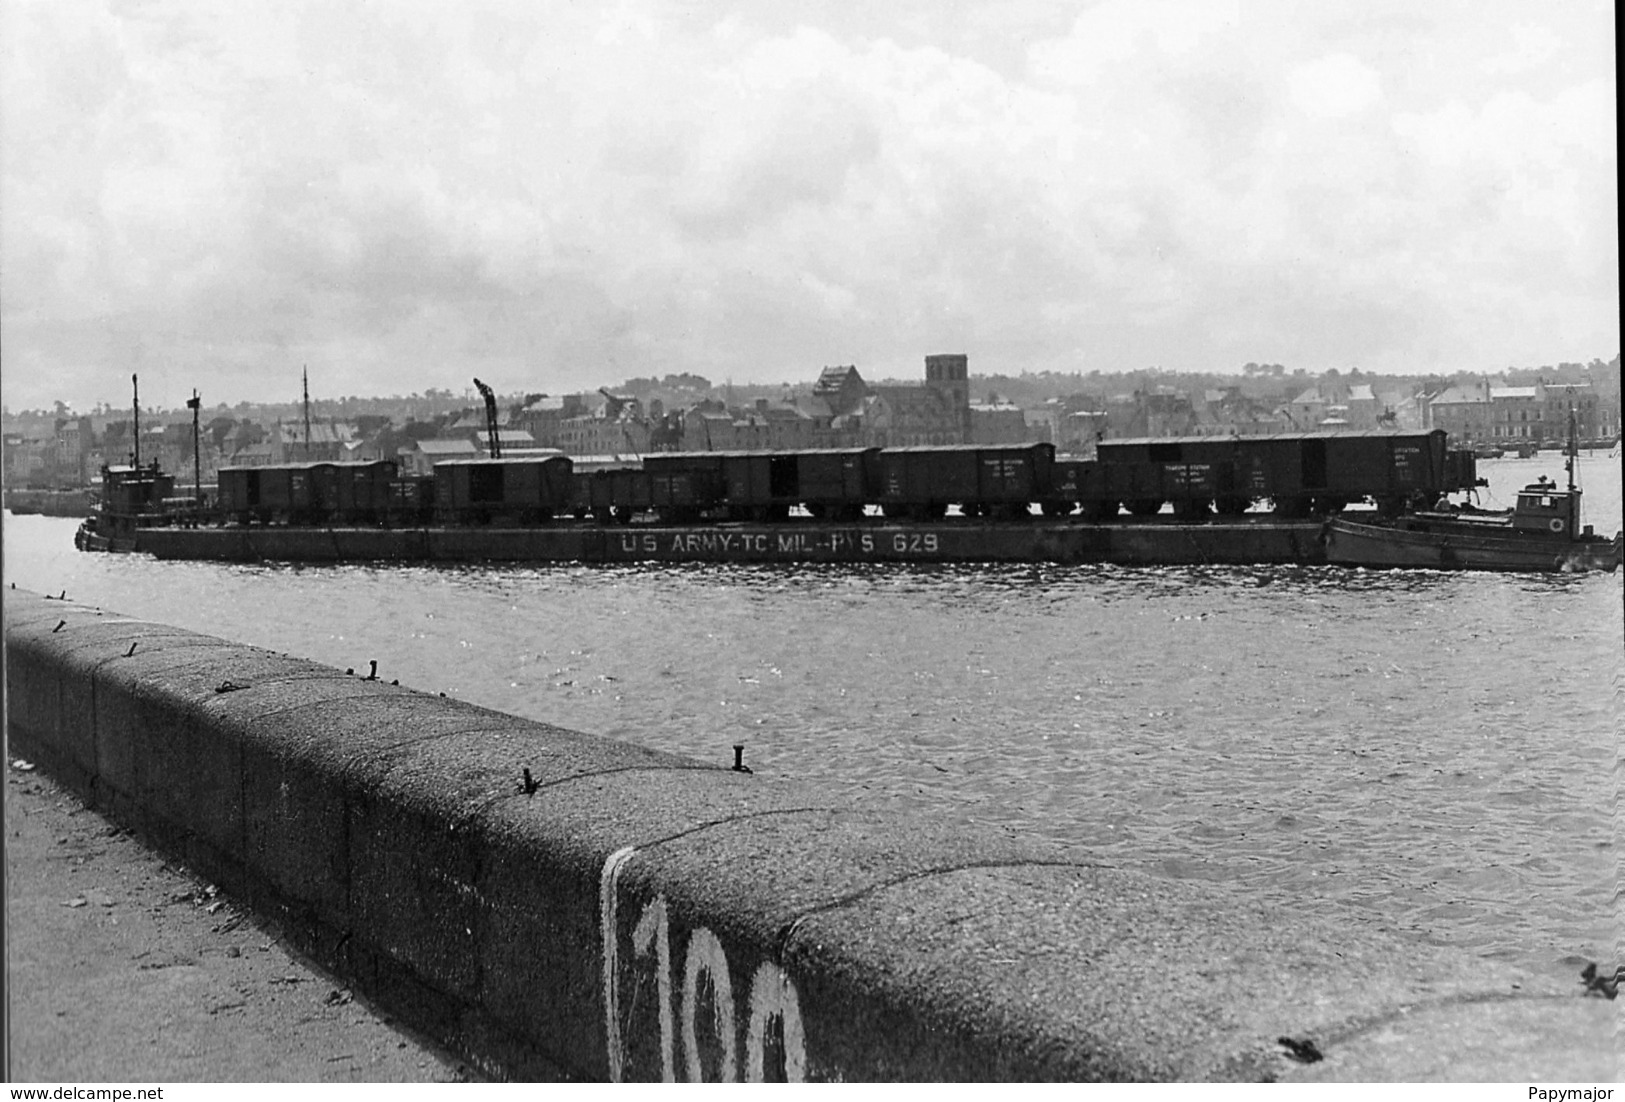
column 1038, row 541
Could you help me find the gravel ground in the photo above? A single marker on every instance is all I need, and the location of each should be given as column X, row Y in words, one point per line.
column 122, row 968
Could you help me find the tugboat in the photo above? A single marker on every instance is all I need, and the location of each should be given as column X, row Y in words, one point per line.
column 1542, row 532
column 131, row 497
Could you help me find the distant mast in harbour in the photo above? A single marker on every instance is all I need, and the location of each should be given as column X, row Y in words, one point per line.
column 1574, row 447
column 135, row 386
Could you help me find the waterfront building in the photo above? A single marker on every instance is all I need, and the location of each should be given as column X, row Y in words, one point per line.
column 841, row 390
column 1360, row 407
column 422, row 455
column 1000, row 423
column 1464, row 411
column 1307, row 410
column 261, row 454
column 327, row 442
column 1595, row 419
column 25, row 460
column 708, row 427
column 1531, row 415
column 543, row 416
column 1515, row 413
column 509, row 440
column 778, row 427
column 909, row 416
column 1162, row 412
column 900, row 415
column 1228, row 412
column 1333, row 403
column 1081, row 430
column 597, row 434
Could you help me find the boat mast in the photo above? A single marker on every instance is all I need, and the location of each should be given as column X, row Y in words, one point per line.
column 135, row 385
column 1573, row 448
column 307, row 413
column 196, row 405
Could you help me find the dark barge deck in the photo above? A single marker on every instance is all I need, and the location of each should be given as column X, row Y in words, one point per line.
column 1264, row 540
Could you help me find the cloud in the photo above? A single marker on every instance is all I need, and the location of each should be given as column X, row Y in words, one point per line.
column 1532, row 45
column 1331, row 87
column 555, row 196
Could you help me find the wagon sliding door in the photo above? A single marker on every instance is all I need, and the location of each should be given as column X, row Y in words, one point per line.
column 1314, row 464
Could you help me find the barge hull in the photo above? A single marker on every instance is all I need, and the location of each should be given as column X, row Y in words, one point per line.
column 1262, row 542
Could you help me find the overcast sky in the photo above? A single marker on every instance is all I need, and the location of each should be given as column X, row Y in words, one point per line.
column 552, row 196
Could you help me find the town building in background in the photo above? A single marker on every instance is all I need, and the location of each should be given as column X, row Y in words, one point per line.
column 421, row 456
column 1481, row 412
column 837, row 407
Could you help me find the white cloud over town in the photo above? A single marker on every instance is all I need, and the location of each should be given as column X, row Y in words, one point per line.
column 404, row 195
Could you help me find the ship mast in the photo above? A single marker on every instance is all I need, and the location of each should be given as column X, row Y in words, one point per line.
column 195, row 404
column 307, row 412
column 1573, row 449
column 135, row 385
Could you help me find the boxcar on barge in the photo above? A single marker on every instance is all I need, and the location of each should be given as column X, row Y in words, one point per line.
column 1298, row 475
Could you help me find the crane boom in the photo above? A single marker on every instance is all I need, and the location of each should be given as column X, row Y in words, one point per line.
column 490, row 419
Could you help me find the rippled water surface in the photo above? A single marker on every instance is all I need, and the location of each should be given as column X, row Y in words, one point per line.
column 1434, row 750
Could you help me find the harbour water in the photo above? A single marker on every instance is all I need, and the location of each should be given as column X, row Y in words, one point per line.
column 1433, row 752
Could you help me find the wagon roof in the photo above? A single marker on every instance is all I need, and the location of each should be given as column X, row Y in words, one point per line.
column 1253, row 438
column 830, row 451
column 959, row 448
column 348, row 464
column 505, row 461
column 759, row 453
column 587, row 464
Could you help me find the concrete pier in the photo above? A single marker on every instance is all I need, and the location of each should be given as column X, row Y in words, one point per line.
column 539, row 898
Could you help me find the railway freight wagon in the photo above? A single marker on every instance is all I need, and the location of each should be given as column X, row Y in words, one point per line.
column 1461, row 469
column 1305, row 473
column 613, row 494
column 256, row 494
column 525, row 489
column 837, row 483
column 685, row 486
column 298, row 493
column 610, row 489
column 759, row 486
column 1194, row 473
column 920, row 483
column 411, row 500
column 236, row 493
column 313, row 490
column 1078, row 483
column 829, row 483
column 1299, row 473
column 362, row 489
column 1394, row 471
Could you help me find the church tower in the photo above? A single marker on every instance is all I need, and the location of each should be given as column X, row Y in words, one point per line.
column 949, row 375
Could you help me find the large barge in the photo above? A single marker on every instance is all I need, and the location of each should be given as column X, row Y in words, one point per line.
column 1172, row 501
column 1239, row 541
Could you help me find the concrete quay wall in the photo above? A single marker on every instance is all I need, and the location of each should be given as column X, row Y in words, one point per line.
column 50, row 503
column 630, row 914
